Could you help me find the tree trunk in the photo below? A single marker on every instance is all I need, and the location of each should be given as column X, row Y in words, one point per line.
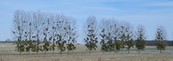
column 60, row 52
column 29, row 52
column 20, row 53
column 160, row 51
column 52, row 52
column 139, row 51
column 128, row 51
column 89, row 51
column 53, row 48
column 45, row 52
column 37, row 49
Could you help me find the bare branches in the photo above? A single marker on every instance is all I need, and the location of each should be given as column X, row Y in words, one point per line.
column 140, row 41
column 37, row 31
column 160, row 38
column 91, row 38
column 33, row 28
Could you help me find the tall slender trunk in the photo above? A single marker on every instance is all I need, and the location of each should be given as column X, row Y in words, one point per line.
column 20, row 52
column 29, row 51
column 60, row 52
column 68, row 48
column 128, row 51
column 160, row 51
column 45, row 52
column 53, row 47
column 89, row 51
column 139, row 51
column 37, row 46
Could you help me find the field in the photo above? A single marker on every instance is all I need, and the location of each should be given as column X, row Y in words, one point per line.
column 8, row 53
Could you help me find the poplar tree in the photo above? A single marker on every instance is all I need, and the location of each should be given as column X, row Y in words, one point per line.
column 140, row 41
column 160, row 38
column 91, row 38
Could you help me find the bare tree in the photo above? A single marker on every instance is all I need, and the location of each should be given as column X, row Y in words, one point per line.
column 109, row 31
column 52, row 31
column 46, row 46
column 160, row 38
column 126, row 35
column 140, row 41
column 70, row 30
column 37, row 25
column 19, row 23
column 61, row 41
column 129, row 36
column 67, row 35
column 91, row 38
column 31, row 28
column 29, row 31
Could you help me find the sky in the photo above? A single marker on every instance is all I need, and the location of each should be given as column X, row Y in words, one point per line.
column 149, row 13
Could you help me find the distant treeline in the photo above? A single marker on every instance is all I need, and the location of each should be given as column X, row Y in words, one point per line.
column 148, row 43
column 152, row 43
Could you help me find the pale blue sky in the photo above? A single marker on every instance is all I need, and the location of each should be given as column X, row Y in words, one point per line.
column 146, row 12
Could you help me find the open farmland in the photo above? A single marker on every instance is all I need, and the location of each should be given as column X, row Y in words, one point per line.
column 86, row 30
column 8, row 53
column 89, row 57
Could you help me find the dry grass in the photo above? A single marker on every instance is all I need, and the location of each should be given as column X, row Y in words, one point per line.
column 8, row 53
column 89, row 57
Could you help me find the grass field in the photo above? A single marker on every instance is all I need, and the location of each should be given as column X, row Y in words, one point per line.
column 8, row 53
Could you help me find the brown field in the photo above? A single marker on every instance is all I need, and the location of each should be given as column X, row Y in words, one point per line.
column 89, row 57
column 8, row 53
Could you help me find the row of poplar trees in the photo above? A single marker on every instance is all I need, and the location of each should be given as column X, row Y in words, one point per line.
column 116, row 36
column 37, row 31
